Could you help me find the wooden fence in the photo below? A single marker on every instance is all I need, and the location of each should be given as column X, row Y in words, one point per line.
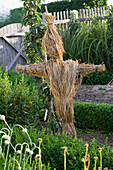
column 11, row 36
column 84, row 15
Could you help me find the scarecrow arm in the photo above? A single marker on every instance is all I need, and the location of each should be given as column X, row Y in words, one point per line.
column 85, row 69
column 38, row 70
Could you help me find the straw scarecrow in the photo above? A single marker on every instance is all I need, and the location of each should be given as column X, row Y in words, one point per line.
column 62, row 75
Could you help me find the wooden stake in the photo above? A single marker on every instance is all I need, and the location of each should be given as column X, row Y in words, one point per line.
column 46, row 10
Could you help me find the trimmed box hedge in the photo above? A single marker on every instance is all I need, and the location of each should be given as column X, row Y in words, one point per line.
column 93, row 115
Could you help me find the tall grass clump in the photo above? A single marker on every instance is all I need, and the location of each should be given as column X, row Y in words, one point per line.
column 92, row 43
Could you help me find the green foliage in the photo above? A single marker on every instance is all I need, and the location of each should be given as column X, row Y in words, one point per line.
column 90, row 43
column 73, row 5
column 93, row 115
column 15, row 16
column 33, row 38
column 22, row 98
column 4, row 21
column 102, row 78
column 52, row 152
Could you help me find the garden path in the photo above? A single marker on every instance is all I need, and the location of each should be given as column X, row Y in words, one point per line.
column 95, row 94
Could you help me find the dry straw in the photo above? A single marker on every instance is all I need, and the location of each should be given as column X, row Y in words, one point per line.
column 52, row 42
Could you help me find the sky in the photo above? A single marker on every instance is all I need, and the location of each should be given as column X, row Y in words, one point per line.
column 6, row 5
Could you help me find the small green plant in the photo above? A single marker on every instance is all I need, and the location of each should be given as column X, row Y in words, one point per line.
column 101, row 88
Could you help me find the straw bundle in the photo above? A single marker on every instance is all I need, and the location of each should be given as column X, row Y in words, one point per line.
column 52, row 43
column 62, row 76
column 33, row 69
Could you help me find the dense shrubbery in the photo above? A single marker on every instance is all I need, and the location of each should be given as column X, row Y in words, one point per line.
column 15, row 16
column 94, row 115
column 76, row 5
column 102, row 78
column 52, row 152
column 21, row 98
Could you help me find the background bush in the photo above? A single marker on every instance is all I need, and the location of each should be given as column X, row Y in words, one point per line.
column 22, row 99
column 74, row 4
column 93, row 115
column 15, row 16
column 102, row 78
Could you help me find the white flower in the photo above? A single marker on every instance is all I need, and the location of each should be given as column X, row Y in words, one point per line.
column 24, row 130
column 31, row 152
column 19, row 167
column 7, row 142
column 2, row 117
column 27, row 150
column 19, row 151
column 6, row 137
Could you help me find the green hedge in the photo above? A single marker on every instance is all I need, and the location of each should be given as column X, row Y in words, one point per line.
column 94, row 115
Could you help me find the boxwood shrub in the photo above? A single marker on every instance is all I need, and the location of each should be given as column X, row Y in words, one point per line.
column 94, row 115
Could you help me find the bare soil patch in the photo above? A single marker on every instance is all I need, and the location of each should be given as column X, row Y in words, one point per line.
column 95, row 94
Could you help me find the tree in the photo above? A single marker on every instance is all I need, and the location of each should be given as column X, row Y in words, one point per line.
column 33, row 38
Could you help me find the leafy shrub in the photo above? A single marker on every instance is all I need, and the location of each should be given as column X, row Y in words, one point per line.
column 102, row 78
column 94, row 115
column 22, row 99
column 52, row 152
